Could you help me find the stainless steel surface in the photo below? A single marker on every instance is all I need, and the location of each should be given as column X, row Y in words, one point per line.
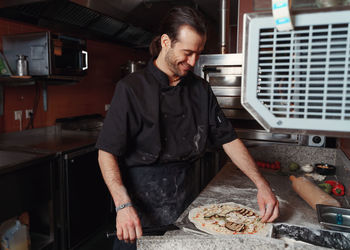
column 327, row 217
column 22, row 65
column 330, row 3
column 224, row 73
column 227, row 102
column 237, row 113
column 35, row 45
column 48, row 54
column 224, row 30
column 13, row 160
column 262, row 135
column 47, row 140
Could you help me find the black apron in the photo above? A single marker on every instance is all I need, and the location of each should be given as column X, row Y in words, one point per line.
column 160, row 193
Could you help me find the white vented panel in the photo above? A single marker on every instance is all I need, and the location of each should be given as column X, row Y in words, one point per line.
column 299, row 80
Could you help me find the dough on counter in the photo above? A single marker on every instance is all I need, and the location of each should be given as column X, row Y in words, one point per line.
column 228, row 219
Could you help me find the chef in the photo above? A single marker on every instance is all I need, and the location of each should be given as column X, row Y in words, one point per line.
column 160, row 121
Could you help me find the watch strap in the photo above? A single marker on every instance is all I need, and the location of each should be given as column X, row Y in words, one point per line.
column 129, row 204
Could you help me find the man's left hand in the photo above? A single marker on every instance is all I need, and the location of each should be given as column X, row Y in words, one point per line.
column 268, row 204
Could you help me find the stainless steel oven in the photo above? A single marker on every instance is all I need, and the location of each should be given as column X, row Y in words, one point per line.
column 224, row 74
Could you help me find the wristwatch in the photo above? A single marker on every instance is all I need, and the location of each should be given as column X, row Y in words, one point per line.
column 129, row 204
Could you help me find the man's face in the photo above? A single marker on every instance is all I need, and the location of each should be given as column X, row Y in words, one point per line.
column 182, row 55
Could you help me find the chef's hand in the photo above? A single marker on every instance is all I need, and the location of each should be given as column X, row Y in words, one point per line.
column 268, row 204
column 128, row 225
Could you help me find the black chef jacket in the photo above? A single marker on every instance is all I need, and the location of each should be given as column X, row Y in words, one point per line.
column 150, row 122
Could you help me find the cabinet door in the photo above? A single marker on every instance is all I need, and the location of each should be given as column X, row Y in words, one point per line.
column 88, row 200
column 24, row 189
column 29, row 189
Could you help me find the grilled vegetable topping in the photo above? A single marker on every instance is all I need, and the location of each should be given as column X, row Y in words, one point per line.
column 234, row 227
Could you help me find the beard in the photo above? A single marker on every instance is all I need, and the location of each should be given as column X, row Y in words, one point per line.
column 175, row 66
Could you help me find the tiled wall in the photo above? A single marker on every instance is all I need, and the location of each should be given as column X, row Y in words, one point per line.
column 88, row 96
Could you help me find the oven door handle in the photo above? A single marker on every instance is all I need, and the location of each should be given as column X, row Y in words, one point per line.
column 84, row 55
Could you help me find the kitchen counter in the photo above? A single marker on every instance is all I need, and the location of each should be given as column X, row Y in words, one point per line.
column 232, row 185
column 18, row 149
column 13, row 160
column 53, row 175
column 47, row 140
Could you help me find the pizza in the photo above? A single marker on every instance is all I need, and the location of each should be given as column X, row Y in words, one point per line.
column 228, row 219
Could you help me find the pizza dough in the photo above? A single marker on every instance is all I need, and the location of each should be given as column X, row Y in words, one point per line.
column 228, row 219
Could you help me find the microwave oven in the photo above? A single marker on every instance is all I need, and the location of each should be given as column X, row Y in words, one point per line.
column 48, row 54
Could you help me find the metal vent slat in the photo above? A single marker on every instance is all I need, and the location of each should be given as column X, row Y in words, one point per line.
column 334, row 37
column 299, row 80
column 315, row 69
column 302, row 88
column 301, row 50
column 312, row 52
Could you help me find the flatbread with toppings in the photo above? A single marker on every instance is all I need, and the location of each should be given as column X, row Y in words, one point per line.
column 228, row 219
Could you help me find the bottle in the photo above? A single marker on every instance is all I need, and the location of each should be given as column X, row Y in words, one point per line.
column 22, row 65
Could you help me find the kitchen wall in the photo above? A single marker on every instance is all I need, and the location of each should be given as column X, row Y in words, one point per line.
column 88, row 96
column 245, row 6
column 345, row 146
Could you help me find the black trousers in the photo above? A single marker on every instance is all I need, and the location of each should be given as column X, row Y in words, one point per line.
column 160, row 193
column 121, row 245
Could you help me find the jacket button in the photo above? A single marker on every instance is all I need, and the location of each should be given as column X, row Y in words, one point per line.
column 184, row 138
column 165, row 115
column 183, row 116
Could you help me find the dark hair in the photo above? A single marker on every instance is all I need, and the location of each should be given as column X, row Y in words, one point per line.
column 171, row 23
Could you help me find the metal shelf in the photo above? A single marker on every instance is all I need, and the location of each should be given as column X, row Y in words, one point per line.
column 19, row 81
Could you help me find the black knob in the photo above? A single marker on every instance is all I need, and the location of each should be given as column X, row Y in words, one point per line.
column 316, row 139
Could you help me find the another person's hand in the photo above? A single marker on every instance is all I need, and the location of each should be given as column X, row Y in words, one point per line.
column 268, row 204
column 128, row 225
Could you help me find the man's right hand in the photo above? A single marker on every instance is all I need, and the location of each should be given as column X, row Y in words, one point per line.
column 128, row 225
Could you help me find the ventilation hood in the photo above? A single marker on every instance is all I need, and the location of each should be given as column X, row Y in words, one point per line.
column 129, row 22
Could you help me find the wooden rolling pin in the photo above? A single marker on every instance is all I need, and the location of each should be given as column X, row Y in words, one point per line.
column 311, row 193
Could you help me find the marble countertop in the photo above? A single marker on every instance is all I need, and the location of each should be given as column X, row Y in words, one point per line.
column 231, row 185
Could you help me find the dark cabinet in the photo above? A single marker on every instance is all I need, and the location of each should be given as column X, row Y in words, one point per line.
column 85, row 200
column 29, row 190
column 206, row 168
